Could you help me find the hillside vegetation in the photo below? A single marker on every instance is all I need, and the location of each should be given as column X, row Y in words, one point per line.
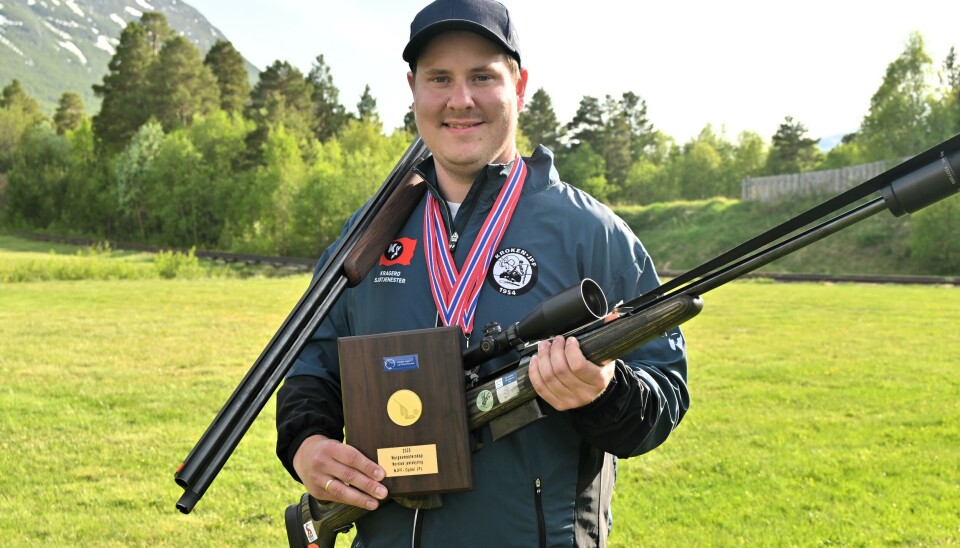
column 682, row 235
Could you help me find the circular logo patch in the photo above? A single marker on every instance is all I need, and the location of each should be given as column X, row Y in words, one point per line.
column 404, row 407
column 514, row 271
column 485, row 400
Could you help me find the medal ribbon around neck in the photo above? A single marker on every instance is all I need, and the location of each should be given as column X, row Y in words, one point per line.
column 456, row 292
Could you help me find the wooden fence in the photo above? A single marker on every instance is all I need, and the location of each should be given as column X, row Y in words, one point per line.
column 829, row 182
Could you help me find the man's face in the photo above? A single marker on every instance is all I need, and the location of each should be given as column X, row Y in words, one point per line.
column 466, row 101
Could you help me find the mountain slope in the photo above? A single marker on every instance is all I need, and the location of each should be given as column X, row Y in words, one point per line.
column 53, row 46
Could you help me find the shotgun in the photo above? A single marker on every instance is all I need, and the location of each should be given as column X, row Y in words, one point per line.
column 360, row 246
column 906, row 188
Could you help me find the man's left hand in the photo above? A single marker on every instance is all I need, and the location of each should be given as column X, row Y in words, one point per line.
column 564, row 378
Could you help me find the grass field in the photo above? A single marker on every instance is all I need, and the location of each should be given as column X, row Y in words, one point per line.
column 822, row 414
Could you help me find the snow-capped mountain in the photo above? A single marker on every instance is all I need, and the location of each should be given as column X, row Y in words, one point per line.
column 53, row 46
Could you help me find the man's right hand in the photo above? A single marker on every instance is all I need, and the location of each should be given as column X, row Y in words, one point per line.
column 335, row 471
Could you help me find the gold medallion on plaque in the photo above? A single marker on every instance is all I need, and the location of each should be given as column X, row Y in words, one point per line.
column 404, row 407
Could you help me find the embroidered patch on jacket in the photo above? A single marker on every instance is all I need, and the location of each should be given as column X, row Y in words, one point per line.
column 399, row 252
column 513, row 272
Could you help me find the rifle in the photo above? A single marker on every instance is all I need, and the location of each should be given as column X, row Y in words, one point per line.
column 906, row 188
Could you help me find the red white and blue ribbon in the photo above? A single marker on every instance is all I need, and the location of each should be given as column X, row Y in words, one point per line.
column 456, row 292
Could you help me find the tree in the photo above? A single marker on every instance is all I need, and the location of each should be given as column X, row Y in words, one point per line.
column 585, row 169
column 367, row 107
column 896, row 125
column 14, row 97
column 69, row 114
column 18, row 113
column 282, row 97
column 181, row 86
column 227, row 65
column 124, row 90
column 410, row 122
column 792, row 151
column 329, row 114
column 131, row 173
column 35, row 189
column 157, row 29
column 945, row 109
column 634, row 111
column 587, row 124
column 538, row 121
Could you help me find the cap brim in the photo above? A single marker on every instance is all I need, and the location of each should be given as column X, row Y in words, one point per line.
column 412, row 51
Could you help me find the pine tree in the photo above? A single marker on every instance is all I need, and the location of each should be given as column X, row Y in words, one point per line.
column 69, row 114
column 158, row 30
column 181, row 86
column 792, row 150
column 538, row 121
column 280, row 98
column 227, row 65
column 124, row 90
column 329, row 114
column 367, row 107
column 587, row 123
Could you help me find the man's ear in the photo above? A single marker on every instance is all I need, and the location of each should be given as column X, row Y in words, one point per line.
column 521, row 89
column 410, row 80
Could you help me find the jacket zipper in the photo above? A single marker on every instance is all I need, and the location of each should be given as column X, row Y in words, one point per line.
column 538, row 503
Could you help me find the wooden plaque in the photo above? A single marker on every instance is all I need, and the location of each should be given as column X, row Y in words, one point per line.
column 404, row 407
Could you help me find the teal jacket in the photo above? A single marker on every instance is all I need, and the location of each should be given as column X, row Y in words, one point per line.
column 551, row 483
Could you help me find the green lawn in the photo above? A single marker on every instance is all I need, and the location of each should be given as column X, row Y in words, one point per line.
column 821, row 414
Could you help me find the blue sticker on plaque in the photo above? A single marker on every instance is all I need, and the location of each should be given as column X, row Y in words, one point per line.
column 401, row 363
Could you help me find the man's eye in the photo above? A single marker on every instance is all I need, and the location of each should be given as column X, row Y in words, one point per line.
column 440, row 79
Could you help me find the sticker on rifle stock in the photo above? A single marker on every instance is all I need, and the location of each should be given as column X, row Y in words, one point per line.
column 404, row 407
column 507, row 387
column 310, row 531
column 485, row 400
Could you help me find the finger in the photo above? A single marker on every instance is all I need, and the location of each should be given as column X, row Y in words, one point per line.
column 585, row 371
column 352, row 468
column 551, row 367
column 352, row 458
column 338, row 491
column 535, row 373
column 561, row 366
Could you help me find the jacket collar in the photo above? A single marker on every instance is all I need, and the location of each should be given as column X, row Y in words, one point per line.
column 540, row 174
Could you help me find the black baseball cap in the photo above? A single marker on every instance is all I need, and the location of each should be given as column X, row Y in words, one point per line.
column 487, row 18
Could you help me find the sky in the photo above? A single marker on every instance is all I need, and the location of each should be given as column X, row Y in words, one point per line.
column 737, row 65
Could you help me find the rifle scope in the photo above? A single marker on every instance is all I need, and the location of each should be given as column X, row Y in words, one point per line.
column 571, row 308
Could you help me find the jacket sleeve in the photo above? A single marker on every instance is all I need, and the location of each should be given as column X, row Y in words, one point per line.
column 648, row 395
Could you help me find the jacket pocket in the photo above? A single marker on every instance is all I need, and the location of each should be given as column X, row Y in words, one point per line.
column 538, row 505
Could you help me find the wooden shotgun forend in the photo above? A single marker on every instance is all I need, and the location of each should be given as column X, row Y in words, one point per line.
column 383, row 228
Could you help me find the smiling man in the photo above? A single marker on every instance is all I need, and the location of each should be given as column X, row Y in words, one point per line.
column 552, row 482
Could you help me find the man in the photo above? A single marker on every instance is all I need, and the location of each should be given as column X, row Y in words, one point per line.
column 550, row 483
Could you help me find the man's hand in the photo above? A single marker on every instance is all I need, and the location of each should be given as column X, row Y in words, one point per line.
column 564, row 378
column 335, row 471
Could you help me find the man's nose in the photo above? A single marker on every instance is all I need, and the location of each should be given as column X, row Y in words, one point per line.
column 461, row 97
